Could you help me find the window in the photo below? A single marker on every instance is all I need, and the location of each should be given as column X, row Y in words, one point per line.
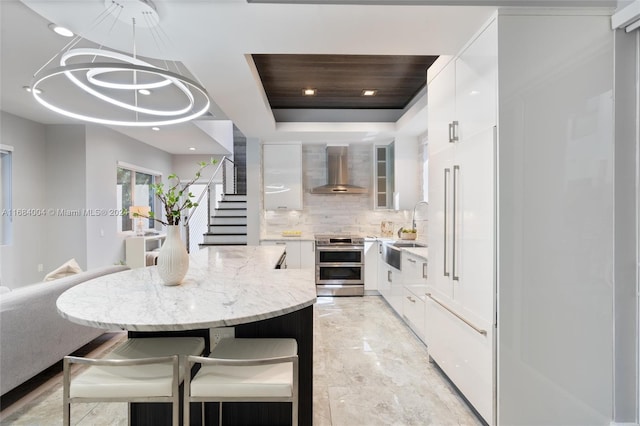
column 134, row 189
column 6, row 228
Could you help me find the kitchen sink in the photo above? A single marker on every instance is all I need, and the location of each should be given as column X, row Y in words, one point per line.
column 402, row 244
column 391, row 251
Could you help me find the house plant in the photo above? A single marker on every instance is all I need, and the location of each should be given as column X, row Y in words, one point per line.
column 173, row 259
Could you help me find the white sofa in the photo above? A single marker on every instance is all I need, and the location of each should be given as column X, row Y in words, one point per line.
column 33, row 335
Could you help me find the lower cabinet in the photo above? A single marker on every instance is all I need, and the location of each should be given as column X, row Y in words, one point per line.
column 413, row 309
column 300, row 253
column 371, row 260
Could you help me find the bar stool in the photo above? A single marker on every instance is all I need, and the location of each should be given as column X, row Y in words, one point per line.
column 146, row 369
column 245, row 370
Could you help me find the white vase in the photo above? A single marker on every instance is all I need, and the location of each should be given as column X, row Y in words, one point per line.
column 173, row 259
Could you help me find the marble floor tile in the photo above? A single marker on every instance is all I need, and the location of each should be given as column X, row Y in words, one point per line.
column 369, row 369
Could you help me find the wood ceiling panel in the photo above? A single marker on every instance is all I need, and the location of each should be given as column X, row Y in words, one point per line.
column 340, row 79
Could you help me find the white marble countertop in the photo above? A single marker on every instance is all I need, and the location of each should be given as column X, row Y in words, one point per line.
column 225, row 286
column 280, row 237
column 418, row 251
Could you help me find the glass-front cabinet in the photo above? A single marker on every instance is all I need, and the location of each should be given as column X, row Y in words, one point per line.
column 384, row 176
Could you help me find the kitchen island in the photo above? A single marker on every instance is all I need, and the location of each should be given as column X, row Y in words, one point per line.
column 226, row 286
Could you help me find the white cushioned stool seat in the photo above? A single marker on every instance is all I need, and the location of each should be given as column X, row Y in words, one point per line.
column 138, row 369
column 101, row 381
column 251, row 369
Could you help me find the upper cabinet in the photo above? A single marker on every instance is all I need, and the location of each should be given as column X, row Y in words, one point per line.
column 384, row 177
column 282, row 176
column 396, row 174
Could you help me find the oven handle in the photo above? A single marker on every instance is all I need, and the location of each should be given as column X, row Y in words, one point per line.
column 340, row 248
column 338, row 264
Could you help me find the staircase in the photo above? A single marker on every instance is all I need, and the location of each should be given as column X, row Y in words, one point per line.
column 228, row 224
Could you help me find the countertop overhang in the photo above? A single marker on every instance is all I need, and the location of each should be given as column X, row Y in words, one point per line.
column 225, row 286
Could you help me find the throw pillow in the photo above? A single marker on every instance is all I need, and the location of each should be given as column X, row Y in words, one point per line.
column 70, row 267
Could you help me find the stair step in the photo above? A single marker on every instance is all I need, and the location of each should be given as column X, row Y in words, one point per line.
column 221, row 244
column 230, row 212
column 233, row 205
column 228, row 220
column 227, row 229
column 225, row 238
column 234, row 197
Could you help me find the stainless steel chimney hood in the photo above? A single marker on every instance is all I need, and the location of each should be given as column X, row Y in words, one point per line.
column 338, row 174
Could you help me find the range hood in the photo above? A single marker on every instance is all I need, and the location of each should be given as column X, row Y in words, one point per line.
column 338, row 174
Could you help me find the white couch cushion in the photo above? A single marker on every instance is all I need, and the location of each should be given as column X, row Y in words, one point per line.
column 70, row 267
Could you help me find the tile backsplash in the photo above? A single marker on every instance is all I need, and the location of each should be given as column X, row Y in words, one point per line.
column 339, row 213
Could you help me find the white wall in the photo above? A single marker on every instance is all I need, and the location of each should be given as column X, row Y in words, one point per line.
column 104, row 148
column 254, row 190
column 66, row 183
column 19, row 261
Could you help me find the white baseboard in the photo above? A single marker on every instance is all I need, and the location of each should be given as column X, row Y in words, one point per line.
column 623, row 424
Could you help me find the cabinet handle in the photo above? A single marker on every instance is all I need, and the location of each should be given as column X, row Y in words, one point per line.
column 456, row 172
column 282, row 207
column 452, row 312
column 424, row 270
column 450, row 132
column 411, row 299
column 281, row 243
column 389, row 276
column 454, row 126
column 411, row 260
column 447, row 171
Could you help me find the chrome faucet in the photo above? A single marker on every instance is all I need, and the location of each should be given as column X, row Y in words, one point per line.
column 413, row 216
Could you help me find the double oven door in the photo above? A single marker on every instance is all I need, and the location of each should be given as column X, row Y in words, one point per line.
column 340, row 270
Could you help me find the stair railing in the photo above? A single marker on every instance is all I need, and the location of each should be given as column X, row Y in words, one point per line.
column 229, row 184
column 221, row 166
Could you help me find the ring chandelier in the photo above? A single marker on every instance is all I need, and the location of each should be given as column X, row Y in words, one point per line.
column 105, row 87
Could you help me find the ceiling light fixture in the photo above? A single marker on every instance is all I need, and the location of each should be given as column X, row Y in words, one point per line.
column 191, row 148
column 369, row 92
column 114, row 80
column 28, row 89
column 64, row 32
column 309, row 92
column 155, row 129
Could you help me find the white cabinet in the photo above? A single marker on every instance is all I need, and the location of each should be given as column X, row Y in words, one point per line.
column 414, row 279
column 515, row 238
column 137, row 249
column 462, row 119
column 396, row 174
column 282, row 176
column 371, row 259
column 300, row 253
column 390, row 286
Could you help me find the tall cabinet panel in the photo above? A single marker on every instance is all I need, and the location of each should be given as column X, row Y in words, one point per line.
column 460, row 293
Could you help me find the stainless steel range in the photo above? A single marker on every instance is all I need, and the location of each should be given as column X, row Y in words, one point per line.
column 339, row 265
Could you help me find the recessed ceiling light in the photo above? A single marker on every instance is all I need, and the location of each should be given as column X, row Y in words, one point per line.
column 369, row 92
column 155, row 128
column 191, row 148
column 64, row 32
column 28, row 89
column 144, row 92
column 309, row 92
